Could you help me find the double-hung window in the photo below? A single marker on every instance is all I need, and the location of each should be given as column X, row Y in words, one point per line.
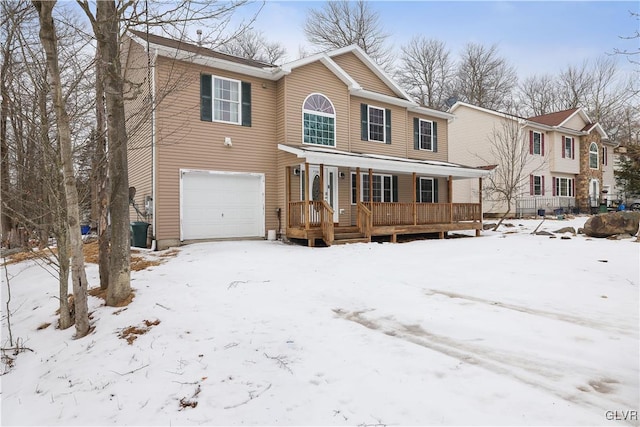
column 426, row 135
column 383, row 188
column 225, row 100
column 568, row 147
column 426, row 190
column 563, row 187
column 536, row 143
column 318, row 120
column 536, row 183
column 376, row 123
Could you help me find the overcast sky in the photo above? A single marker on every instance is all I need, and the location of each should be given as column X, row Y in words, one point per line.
column 537, row 37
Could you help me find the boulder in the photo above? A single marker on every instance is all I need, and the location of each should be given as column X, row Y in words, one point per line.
column 566, row 230
column 608, row 224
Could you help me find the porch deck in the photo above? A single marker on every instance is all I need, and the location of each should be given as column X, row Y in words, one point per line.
column 382, row 219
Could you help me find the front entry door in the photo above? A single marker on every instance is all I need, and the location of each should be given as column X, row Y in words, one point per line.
column 330, row 190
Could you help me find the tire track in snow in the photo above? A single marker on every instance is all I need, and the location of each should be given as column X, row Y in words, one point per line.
column 607, row 327
column 527, row 371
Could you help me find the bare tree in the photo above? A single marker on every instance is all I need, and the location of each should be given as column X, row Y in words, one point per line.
column 574, row 84
column 631, row 54
column 426, row 71
column 509, row 150
column 538, row 94
column 79, row 279
column 343, row 23
column 254, row 45
column 484, row 78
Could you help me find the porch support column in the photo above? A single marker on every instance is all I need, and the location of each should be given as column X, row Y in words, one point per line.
column 358, row 193
column 371, row 189
column 307, row 211
column 450, row 198
column 415, row 199
column 287, row 195
column 480, row 203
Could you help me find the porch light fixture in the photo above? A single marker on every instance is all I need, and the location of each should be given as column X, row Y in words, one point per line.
column 342, row 175
column 296, row 171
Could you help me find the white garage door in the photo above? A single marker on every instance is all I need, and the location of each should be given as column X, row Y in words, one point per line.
column 221, row 204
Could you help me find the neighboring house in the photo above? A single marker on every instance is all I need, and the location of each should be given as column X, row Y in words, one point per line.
column 569, row 161
column 327, row 147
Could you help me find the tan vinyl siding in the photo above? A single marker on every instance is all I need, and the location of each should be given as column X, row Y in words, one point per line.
column 138, row 126
column 398, row 146
column 186, row 142
column 281, row 118
column 556, row 162
column 315, row 78
column 576, row 122
column 443, row 140
column 362, row 74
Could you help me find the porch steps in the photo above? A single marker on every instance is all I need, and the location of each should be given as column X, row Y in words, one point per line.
column 344, row 235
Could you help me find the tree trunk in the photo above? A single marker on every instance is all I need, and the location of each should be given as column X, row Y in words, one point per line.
column 5, row 219
column 101, row 178
column 66, row 320
column 106, row 31
column 78, row 275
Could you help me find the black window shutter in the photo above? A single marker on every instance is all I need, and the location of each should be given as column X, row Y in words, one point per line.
column 418, row 196
column 416, row 133
column 246, row 103
column 434, row 133
column 435, row 189
column 206, row 113
column 394, row 185
column 364, row 120
column 387, row 122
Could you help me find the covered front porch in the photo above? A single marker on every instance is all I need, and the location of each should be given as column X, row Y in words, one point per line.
column 383, row 196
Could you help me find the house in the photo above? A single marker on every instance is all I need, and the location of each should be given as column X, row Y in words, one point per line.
column 327, row 148
column 568, row 158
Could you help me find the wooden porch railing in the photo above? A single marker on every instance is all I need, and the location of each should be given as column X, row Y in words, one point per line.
column 364, row 220
column 382, row 214
column 320, row 214
column 326, row 221
column 425, row 213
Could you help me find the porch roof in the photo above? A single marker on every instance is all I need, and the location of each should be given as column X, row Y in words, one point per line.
column 331, row 157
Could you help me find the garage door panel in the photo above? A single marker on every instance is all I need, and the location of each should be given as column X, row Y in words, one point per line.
column 222, row 205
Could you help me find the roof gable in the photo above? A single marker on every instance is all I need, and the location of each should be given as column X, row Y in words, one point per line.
column 559, row 118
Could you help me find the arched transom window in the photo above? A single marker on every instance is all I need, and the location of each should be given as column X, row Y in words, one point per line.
column 593, row 156
column 319, row 118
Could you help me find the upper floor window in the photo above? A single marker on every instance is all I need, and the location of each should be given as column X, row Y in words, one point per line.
column 536, row 143
column 225, row 100
column 375, row 123
column 318, row 121
column 568, row 147
column 425, row 135
column 593, row 155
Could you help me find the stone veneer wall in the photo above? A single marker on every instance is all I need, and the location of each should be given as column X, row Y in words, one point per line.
column 586, row 173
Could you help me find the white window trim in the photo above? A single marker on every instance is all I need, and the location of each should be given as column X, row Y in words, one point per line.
column 569, row 187
column 539, row 177
column 213, row 100
column 568, row 139
column 319, row 113
column 539, row 153
column 362, row 175
column 384, row 124
column 419, row 196
column 596, row 154
column 420, row 135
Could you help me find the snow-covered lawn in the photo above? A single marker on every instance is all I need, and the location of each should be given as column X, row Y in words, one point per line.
column 509, row 328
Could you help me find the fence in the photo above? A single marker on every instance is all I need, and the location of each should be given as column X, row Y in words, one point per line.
column 531, row 205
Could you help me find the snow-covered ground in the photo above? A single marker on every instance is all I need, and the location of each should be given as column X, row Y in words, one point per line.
column 505, row 329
